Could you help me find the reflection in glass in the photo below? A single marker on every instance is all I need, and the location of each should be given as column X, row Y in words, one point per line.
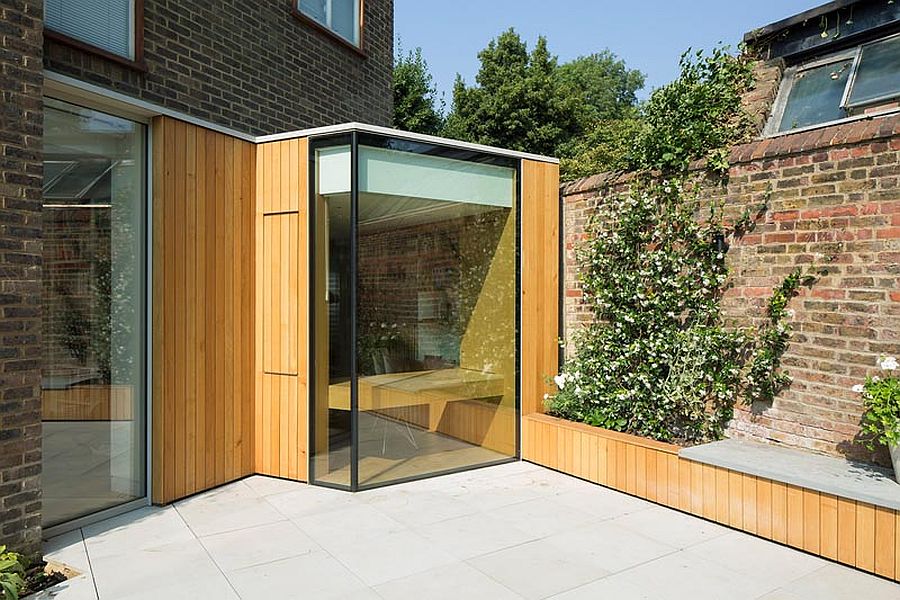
column 878, row 75
column 332, row 313
column 340, row 16
column 815, row 96
column 94, row 433
column 435, row 311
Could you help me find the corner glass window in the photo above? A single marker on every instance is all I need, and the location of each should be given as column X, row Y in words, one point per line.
column 856, row 81
column 104, row 24
column 414, row 287
column 338, row 16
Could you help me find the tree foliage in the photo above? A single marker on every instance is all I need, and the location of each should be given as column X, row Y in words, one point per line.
column 527, row 101
column 607, row 87
column 415, row 95
column 516, row 103
column 696, row 116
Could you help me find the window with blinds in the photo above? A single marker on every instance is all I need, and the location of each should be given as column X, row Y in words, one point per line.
column 104, row 24
column 339, row 16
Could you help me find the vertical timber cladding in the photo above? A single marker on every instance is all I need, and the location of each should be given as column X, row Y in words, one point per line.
column 540, row 281
column 282, row 296
column 203, row 307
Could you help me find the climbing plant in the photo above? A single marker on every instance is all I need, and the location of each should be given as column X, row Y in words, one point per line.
column 657, row 359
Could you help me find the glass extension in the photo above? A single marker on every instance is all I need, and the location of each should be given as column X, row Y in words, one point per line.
column 414, row 266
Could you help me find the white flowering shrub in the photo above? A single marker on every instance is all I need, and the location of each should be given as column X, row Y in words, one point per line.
column 657, row 360
column 881, row 396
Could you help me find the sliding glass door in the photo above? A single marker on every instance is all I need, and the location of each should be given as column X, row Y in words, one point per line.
column 94, row 273
column 415, row 279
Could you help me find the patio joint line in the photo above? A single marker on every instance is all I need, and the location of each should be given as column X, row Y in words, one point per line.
column 87, row 555
column 206, row 551
column 321, row 547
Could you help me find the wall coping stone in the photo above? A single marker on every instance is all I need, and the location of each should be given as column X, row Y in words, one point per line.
column 826, row 474
column 864, row 130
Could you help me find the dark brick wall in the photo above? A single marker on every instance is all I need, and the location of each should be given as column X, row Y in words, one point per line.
column 21, row 85
column 251, row 66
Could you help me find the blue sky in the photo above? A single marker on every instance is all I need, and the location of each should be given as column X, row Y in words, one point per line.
column 649, row 34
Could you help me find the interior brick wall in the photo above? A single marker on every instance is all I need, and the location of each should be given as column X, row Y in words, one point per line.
column 833, row 198
column 251, row 66
column 21, row 84
column 76, row 254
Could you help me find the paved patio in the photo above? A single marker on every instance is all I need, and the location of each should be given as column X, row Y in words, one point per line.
column 509, row 532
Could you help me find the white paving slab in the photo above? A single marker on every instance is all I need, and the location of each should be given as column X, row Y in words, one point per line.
column 502, row 533
column 69, row 549
column 258, row 545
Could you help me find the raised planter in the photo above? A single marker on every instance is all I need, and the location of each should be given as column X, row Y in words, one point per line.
column 846, row 530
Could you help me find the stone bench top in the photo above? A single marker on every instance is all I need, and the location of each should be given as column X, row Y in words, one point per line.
column 829, row 475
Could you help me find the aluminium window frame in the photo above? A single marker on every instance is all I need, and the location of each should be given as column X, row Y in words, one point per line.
column 146, row 307
column 358, row 48
column 136, row 61
column 789, row 77
column 851, row 80
column 355, row 138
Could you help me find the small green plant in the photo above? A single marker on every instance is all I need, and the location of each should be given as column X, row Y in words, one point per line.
column 764, row 379
column 12, row 574
column 881, row 395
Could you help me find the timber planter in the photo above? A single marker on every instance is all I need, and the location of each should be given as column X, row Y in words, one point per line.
column 847, row 530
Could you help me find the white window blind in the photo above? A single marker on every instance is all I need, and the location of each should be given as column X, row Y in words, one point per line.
column 106, row 24
column 340, row 16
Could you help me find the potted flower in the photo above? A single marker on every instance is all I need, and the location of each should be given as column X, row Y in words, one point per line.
column 881, row 421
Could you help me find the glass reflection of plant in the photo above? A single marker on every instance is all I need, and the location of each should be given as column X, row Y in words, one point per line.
column 377, row 339
column 98, row 326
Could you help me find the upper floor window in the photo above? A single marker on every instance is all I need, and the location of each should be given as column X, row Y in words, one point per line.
column 341, row 17
column 842, row 85
column 108, row 25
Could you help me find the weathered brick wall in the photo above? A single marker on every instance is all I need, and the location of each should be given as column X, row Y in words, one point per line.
column 251, row 66
column 834, row 204
column 21, row 82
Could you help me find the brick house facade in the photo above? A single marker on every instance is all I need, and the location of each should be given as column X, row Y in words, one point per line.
column 20, row 264
column 834, row 202
column 254, row 68
column 251, row 66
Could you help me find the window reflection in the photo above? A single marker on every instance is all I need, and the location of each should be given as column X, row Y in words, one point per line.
column 435, row 310
column 93, row 399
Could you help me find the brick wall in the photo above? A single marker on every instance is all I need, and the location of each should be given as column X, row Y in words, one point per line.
column 251, row 66
column 21, row 83
column 835, row 203
column 447, row 261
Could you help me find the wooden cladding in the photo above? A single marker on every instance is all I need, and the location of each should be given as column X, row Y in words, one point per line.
column 282, row 343
column 231, row 307
column 540, row 281
column 281, row 284
column 203, row 308
column 854, row 533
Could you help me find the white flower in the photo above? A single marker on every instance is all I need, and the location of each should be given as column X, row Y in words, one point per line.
column 858, row 388
column 546, row 396
column 876, row 378
column 889, row 363
column 560, row 381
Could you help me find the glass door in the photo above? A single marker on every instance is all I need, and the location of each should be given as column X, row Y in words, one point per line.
column 94, row 274
column 416, row 312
